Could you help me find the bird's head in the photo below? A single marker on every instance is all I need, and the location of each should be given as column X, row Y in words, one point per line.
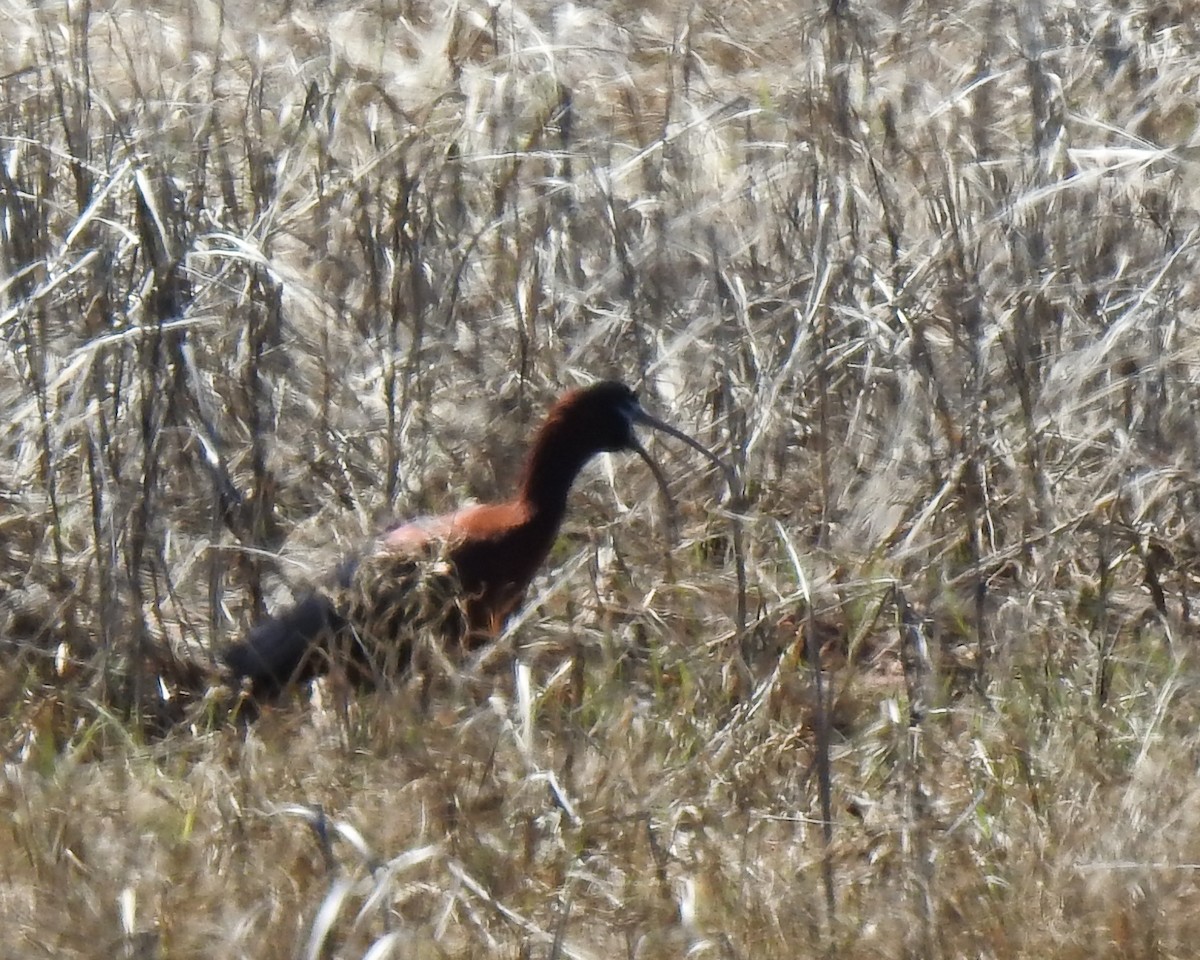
column 596, row 419
column 605, row 415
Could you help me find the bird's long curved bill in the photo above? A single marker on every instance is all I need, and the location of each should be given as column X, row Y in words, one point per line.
column 642, row 417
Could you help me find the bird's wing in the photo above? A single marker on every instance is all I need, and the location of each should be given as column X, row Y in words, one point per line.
column 431, row 535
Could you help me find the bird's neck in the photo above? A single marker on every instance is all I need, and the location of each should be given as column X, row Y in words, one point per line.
column 557, row 456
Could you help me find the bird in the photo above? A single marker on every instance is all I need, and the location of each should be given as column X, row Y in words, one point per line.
column 456, row 577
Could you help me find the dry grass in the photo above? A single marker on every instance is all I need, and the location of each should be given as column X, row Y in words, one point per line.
column 923, row 272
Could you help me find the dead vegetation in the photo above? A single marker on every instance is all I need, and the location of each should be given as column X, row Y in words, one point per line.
column 924, row 273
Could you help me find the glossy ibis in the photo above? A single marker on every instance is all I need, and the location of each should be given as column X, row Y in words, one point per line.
column 457, row 576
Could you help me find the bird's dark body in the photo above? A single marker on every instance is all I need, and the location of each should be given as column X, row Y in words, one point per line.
column 277, row 651
column 459, row 575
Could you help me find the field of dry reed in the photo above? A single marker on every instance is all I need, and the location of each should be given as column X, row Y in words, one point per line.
column 923, row 272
